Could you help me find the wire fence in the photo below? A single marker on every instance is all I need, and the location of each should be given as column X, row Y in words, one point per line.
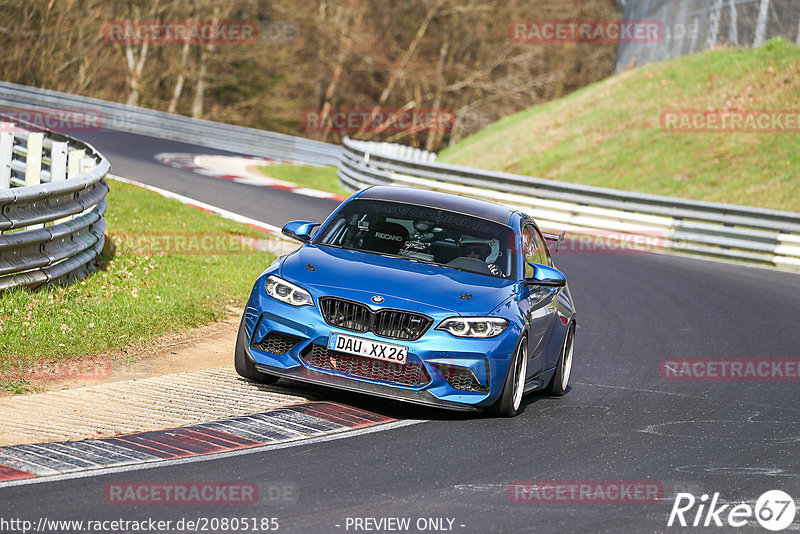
column 695, row 25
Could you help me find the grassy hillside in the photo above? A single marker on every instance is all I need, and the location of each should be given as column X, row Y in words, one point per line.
column 609, row 134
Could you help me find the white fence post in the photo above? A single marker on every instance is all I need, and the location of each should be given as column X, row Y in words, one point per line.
column 761, row 25
column 58, row 167
column 695, row 34
column 33, row 159
column 798, row 33
column 33, row 164
column 58, row 161
column 733, row 28
column 713, row 30
column 6, row 148
column 678, row 44
column 74, row 160
column 87, row 164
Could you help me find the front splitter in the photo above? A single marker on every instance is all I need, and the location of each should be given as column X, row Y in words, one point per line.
column 423, row 398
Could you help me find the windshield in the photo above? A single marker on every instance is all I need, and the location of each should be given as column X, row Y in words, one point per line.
column 422, row 234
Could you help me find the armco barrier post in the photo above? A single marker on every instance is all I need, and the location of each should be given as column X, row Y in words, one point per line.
column 74, row 163
column 67, row 249
column 58, row 161
column 6, row 147
column 33, row 159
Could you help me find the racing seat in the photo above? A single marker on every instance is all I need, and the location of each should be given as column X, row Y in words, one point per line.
column 386, row 238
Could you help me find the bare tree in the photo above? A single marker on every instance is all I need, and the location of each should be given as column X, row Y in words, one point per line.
column 439, row 55
column 179, row 70
column 136, row 54
column 399, row 70
column 343, row 20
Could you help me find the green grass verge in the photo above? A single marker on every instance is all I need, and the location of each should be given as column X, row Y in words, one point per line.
column 609, row 134
column 18, row 386
column 321, row 178
column 163, row 278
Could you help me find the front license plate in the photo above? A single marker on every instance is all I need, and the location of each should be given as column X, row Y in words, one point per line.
column 366, row 347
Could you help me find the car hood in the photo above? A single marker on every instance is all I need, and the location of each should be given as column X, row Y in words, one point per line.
column 320, row 267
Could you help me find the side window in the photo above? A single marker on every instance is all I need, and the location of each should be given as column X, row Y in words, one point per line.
column 532, row 251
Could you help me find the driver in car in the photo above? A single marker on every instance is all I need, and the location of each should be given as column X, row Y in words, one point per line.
column 483, row 249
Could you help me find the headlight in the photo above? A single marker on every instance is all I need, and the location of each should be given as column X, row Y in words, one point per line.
column 473, row 326
column 284, row 291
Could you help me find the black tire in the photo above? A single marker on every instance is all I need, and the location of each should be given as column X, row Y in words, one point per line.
column 511, row 399
column 244, row 365
column 560, row 381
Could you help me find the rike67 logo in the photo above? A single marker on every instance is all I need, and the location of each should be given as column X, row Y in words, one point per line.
column 774, row 510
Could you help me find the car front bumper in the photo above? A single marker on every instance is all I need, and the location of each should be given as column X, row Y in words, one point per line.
column 441, row 370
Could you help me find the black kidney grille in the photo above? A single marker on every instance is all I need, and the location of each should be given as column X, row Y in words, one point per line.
column 346, row 314
column 394, row 324
column 400, row 325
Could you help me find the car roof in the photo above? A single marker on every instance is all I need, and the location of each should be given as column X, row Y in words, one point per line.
column 446, row 201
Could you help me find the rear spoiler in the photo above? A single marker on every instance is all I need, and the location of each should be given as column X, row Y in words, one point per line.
column 554, row 238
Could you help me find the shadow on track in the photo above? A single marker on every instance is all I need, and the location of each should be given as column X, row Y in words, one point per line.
column 398, row 409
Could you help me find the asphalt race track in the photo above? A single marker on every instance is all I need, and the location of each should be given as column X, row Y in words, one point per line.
column 621, row 421
column 133, row 156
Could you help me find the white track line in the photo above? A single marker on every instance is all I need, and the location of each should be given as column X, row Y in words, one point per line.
column 215, row 456
column 204, row 206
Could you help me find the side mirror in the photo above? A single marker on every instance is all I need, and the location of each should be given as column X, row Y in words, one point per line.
column 546, row 276
column 299, row 230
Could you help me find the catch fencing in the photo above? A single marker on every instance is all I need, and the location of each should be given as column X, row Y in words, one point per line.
column 695, row 25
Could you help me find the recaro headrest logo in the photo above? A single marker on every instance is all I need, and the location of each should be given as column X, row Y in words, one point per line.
column 390, row 237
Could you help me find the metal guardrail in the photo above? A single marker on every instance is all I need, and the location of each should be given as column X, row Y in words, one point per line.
column 144, row 121
column 706, row 228
column 698, row 227
column 52, row 202
column 393, row 149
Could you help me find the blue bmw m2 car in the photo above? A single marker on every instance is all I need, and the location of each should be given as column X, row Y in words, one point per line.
column 417, row 296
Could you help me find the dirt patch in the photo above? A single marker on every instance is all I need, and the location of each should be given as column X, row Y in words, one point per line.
column 205, row 347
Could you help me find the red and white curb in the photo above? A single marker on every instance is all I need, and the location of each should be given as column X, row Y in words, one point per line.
column 237, row 169
column 300, row 423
